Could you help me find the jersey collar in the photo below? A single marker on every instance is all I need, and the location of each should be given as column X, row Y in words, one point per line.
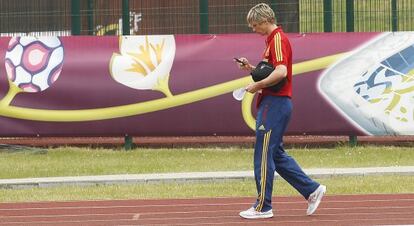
column 272, row 35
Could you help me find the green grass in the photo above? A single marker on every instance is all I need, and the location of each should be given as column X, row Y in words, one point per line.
column 368, row 156
column 244, row 188
column 81, row 161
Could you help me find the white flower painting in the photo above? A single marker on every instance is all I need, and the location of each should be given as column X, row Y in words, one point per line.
column 144, row 62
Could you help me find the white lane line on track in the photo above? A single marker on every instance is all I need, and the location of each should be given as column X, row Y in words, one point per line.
column 275, row 220
column 360, row 197
column 300, row 215
column 78, row 222
column 394, row 210
column 199, row 204
column 278, row 218
column 333, row 222
column 69, row 215
column 359, row 209
column 129, row 206
column 395, row 225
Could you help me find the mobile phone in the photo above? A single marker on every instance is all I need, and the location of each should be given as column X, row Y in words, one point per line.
column 239, row 61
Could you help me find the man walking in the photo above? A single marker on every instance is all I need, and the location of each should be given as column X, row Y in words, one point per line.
column 274, row 111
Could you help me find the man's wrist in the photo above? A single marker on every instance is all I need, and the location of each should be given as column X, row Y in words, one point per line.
column 261, row 84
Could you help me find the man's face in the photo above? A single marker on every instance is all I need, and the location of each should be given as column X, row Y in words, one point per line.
column 259, row 27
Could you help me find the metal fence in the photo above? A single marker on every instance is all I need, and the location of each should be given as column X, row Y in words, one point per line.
column 356, row 15
column 114, row 17
column 20, row 17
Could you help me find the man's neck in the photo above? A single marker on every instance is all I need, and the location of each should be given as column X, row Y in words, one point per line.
column 271, row 29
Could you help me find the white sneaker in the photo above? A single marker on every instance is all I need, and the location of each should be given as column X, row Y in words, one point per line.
column 315, row 198
column 253, row 214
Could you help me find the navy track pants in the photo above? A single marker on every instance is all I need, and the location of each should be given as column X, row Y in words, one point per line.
column 269, row 155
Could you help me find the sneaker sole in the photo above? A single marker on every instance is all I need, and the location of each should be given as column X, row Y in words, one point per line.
column 264, row 216
column 318, row 202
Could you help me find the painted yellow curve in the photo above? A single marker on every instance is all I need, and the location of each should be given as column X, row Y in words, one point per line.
column 152, row 105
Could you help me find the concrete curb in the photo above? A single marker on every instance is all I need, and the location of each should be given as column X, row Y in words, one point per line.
column 188, row 177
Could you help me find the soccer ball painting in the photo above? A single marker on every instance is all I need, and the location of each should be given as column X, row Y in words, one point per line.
column 373, row 87
column 34, row 63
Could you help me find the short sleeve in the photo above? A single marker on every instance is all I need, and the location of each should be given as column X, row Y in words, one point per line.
column 278, row 50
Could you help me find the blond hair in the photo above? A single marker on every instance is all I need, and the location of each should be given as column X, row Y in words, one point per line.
column 261, row 13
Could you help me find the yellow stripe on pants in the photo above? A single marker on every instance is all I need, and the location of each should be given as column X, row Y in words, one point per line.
column 263, row 171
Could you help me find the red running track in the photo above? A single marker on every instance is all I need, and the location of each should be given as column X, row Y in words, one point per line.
column 334, row 210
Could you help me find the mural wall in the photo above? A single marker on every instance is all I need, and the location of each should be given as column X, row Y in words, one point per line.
column 165, row 85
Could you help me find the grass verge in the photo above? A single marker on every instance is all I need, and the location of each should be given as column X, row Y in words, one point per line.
column 244, row 188
column 83, row 161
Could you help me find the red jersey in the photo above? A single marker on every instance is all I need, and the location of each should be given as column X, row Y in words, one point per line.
column 278, row 51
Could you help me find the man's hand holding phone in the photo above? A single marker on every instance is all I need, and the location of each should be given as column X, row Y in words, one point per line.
column 243, row 63
column 239, row 61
